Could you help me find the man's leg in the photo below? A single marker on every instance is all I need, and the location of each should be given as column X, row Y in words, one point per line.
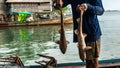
column 96, row 64
column 93, row 54
column 92, row 63
column 89, row 64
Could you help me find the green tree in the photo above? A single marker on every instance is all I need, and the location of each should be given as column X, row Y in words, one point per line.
column 58, row 11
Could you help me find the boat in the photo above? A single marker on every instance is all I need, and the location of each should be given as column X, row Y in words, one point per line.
column 15, row 61
column 112, row 63
column 39, row 23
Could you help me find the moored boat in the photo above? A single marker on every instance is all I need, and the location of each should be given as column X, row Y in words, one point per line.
column 39, row 23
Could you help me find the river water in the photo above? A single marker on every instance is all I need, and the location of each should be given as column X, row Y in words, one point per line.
column 26, row 42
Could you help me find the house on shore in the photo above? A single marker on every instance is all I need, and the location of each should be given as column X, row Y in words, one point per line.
column 30, row 5
column 3, row 10
column 35, row 6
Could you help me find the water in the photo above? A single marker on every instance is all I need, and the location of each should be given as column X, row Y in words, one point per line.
column 26, row 42
column 110, row 39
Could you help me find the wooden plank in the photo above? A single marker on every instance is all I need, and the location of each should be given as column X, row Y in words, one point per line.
column 106, row 65
column 32, row 7
column 2, row 8
column 44, row 6
column 25, row 7
column 2, row 1
column 114, row 63
column 28, row 1
column 102, row 65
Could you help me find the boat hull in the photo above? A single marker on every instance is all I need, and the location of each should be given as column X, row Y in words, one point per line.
column 39, row 23
column 114, row 63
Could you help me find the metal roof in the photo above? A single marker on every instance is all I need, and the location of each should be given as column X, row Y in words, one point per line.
column 31, row 1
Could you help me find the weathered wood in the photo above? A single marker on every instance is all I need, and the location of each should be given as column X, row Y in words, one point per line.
column 44, row 7
column 101, row 65
column 1, row 1
column 2, row 7
column 11, row 1
column 31, row 5
column 24, row 7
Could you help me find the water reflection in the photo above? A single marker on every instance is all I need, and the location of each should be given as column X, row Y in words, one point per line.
column 41, row 33
column 4, row 37
column 24, row 34
column 26, row 42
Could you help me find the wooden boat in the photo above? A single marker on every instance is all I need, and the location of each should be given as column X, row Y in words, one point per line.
column 113, row 63
column 39, row 23
column 11, row 62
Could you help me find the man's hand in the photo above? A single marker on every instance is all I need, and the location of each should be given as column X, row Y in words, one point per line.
column 58, row 3
column 82, row 7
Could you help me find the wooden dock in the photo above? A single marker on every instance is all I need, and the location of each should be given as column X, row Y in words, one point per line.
column 39, row 23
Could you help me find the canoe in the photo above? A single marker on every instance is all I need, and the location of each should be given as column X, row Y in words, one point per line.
column 112, row 63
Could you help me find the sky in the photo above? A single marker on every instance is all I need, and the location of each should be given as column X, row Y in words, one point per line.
column 111, row 4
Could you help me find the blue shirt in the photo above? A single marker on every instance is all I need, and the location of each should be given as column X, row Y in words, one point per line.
column 90, row 21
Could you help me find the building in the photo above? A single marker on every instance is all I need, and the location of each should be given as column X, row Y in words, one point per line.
column 35, row 6
column 3, row 10
column 30, row 5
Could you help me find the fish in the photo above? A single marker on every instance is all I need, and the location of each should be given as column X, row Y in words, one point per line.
column 62, row 42
column 81, row 39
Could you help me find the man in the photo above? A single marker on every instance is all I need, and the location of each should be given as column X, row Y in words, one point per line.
column 90, row 26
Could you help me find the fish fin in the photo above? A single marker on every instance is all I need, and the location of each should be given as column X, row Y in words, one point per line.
column 87, row 48
column 57, row 41
column 67, row 42
column 78, row 19
column 84, row 35
column 76, row 32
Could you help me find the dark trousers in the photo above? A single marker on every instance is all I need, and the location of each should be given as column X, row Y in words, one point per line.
column 93, row 54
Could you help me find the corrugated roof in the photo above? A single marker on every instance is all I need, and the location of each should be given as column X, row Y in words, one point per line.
column 28, row 1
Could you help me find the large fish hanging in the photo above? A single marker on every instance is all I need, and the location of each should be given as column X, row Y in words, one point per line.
column 62, row 42
column 81, row 39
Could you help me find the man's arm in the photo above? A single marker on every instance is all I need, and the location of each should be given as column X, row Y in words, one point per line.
column 95, row 8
